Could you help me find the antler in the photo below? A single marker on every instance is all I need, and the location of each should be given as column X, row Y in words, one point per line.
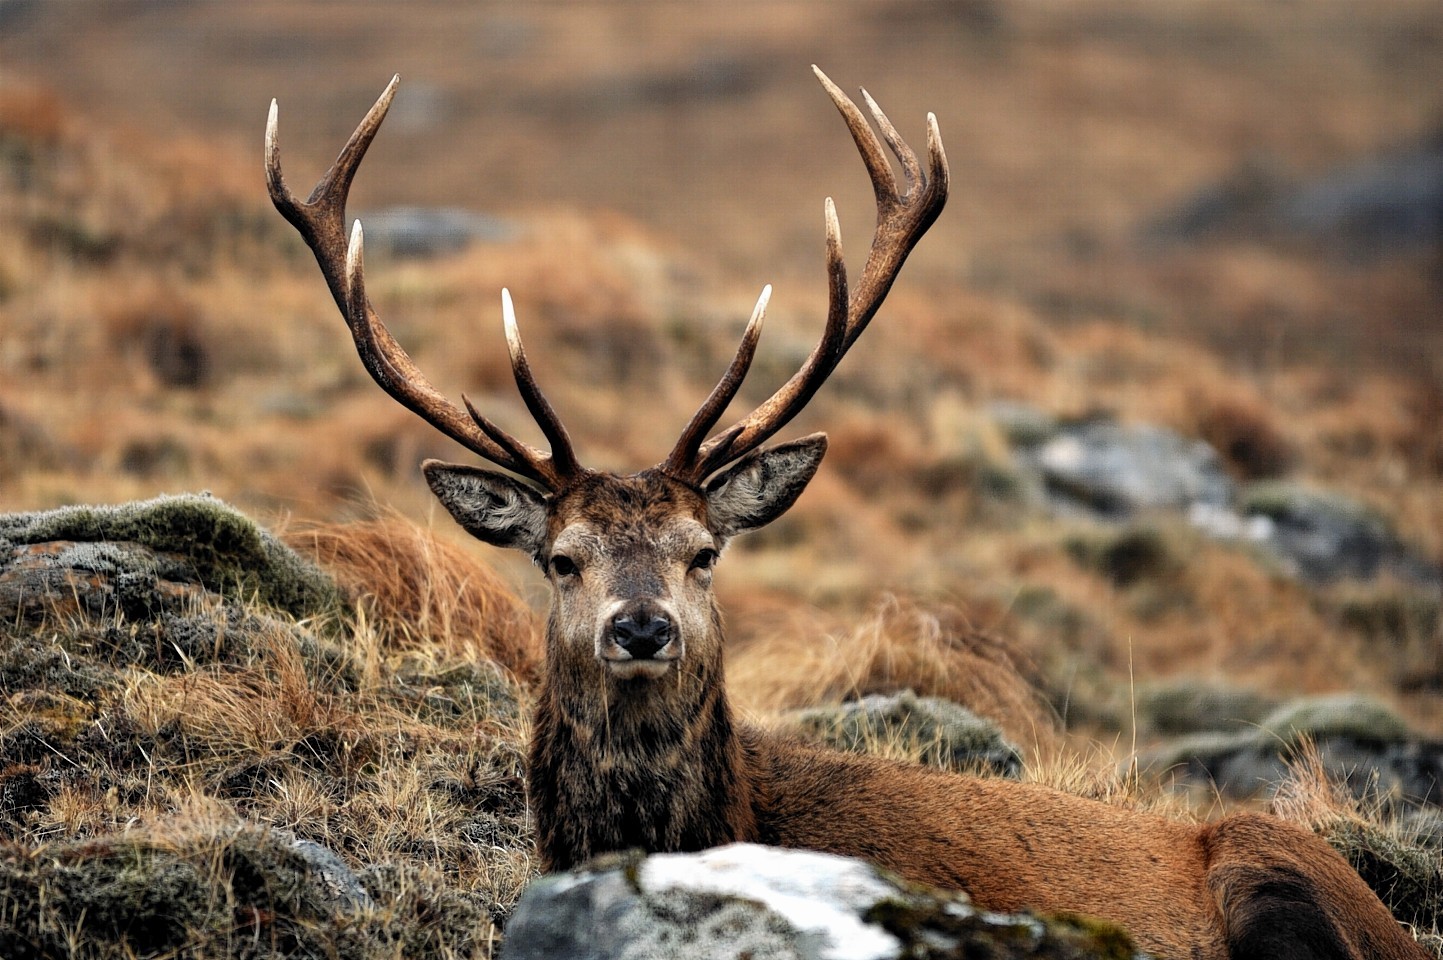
column 321, row 221
column 902, row 219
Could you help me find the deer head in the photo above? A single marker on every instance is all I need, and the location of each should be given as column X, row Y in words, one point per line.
column 629, row 558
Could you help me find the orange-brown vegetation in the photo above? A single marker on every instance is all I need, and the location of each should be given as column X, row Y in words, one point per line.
column 161, row 329
column 897, row 646
column 420, row 590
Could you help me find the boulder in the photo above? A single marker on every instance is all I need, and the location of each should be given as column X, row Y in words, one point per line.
column 1359, row 742
column 1114, row 470
column 768, row 903
column 938, row 732
column 1323, row 536
column 135, row 556
column 1187, row 708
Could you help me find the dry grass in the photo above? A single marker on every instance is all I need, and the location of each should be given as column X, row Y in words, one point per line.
column 164, row 330
column 1401, row 859
column 421, row 591
column 898, row 646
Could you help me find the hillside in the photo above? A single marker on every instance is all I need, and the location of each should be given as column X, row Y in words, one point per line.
column 1157, row 407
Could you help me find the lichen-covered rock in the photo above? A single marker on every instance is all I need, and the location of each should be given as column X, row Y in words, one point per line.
column 1323, row 536
column 1340, row 715
column 1115, row 470
column 1193, row 708
column 768, row 903
column 1359, row 742
column 190, row 895
column 938, row 732
column 133, row 557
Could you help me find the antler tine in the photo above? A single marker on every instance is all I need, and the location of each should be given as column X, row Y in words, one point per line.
column 393, row 369
column 320, row 220
column 722, row 394
column 902, row 219
column 562, row 455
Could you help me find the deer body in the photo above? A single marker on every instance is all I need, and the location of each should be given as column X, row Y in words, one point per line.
column 634, row 742
column 621, row 760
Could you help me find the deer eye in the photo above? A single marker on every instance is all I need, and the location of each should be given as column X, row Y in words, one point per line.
column 563, row 566
column 704, row 559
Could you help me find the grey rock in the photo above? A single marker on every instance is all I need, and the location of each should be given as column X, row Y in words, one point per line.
column 768, row 903
column 942, row 733
column 1115, row 471
column 432, row 231
column 1389, row 202
column 1359, row 742
column 333, row 877
column 1323, row 536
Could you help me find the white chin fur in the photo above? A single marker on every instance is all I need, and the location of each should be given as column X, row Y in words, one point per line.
column 632, row 669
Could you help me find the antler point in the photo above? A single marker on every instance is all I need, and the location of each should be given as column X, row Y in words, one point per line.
column 508, row 319
column 759, row 312
column 272, row 143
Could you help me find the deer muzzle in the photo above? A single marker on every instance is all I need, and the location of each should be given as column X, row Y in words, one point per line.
column 640, row 638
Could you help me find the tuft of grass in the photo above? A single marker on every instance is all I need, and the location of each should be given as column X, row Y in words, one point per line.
column 898, row 646
column 1402, row 862
column 420, row 590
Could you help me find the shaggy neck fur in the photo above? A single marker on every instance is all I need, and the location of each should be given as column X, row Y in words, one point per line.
column 615, row 764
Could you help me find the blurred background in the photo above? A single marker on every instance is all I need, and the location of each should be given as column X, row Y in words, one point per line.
column 1159, row 399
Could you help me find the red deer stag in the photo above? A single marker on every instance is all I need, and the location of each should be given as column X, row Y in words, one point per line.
column 635, row 744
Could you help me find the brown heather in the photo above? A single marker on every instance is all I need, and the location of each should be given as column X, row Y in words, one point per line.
column 1074, row 131
column 421, row 590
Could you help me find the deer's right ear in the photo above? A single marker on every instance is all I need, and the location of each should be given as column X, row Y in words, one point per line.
column 763, row 485
column 491, row 506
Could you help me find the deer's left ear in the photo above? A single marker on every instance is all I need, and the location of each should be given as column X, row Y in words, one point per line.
column 763, row 485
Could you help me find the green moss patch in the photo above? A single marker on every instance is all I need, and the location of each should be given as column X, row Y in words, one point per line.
column 198, row 539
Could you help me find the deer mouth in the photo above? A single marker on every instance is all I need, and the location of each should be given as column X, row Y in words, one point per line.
column 625, row 664
column 629, row 668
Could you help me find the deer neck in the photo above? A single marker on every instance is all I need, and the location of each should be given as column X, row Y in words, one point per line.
column 655, row 764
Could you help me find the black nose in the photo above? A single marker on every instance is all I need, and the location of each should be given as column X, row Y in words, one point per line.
column 641, row 635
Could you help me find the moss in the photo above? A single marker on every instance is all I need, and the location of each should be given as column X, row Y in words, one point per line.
column 1193, row 708
column 236, row 891
column 1343, row 715
column 228, row 553
column 32, row 663
column 136, row 899
column 1406, row 875
column 1124, row 556
column 933, row 926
